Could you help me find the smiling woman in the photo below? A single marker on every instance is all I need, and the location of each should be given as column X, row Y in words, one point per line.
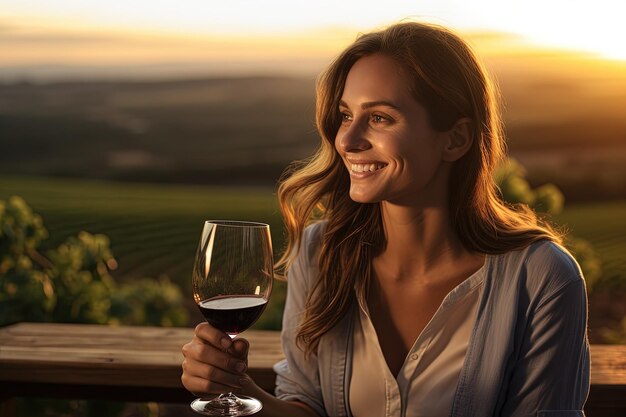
column 413, row 289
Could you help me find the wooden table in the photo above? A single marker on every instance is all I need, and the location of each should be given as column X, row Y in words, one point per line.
column 143, row 364
column 118, row 363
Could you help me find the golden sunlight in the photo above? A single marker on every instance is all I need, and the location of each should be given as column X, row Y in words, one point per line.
column 586, row 26
column 142, row 32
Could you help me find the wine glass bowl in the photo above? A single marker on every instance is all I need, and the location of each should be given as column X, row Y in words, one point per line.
column 232, row 282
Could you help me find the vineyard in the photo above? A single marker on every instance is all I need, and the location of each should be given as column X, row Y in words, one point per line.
column 154, row 229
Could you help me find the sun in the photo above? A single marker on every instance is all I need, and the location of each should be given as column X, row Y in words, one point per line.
column 583, row 25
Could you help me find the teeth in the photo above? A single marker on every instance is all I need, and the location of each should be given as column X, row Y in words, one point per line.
column 366, row 167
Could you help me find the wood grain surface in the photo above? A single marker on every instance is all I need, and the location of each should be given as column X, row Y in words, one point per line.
column 107, row 355
column 144, row 363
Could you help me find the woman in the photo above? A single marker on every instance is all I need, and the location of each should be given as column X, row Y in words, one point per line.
column 413, row 290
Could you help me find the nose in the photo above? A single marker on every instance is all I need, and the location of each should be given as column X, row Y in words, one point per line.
column 351, row 138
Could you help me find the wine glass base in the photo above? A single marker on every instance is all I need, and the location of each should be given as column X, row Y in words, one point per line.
column 227, row 405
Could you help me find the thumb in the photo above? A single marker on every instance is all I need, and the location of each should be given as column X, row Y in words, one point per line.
column 240, row 349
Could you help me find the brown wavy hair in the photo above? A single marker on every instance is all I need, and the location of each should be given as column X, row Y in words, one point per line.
column 450, row 82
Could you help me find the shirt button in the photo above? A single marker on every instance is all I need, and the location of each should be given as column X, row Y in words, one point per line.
column 414, row 356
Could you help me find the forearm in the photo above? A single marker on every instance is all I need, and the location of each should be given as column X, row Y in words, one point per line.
column 274, row 407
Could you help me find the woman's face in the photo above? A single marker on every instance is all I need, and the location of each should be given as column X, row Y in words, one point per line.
column 385, row 139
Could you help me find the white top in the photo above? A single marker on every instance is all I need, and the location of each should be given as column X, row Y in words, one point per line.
column 427, row 381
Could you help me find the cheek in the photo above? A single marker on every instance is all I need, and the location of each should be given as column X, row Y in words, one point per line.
column 398, row 151
column 417, row 161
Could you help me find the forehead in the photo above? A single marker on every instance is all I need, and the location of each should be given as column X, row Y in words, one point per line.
column 377, row 77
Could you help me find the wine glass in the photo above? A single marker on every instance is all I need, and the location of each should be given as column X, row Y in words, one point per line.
column 232, row 282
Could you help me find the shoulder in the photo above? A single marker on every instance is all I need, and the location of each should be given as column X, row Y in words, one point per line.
column 544, row 268
column 547, row 254
column 310, row 243
column 304, row 267
column 553, row 262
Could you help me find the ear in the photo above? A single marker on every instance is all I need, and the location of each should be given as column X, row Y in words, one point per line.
column 459, row 139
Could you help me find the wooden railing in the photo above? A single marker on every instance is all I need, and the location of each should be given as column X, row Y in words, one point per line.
column 143, row 364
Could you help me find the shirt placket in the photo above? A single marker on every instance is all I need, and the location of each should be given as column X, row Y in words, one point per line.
column 393, row 401
column 411, row 367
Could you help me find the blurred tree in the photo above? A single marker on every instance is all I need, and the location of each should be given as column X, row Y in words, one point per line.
column 545, row 200
column 72, row 284
column 144, row 302
column 26, row 290
column 514, row 188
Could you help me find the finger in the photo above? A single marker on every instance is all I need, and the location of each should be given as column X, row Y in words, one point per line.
column 210, row 355
column 200, row 386
column 215, row 375
column 212, row 335
column 240, row 348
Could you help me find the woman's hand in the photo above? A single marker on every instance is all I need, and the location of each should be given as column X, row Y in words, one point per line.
column 213, row 363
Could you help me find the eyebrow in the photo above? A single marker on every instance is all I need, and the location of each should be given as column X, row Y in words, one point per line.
column 371, row 104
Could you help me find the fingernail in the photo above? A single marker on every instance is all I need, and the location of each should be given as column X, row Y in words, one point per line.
column 226, row 342
column 240, row 367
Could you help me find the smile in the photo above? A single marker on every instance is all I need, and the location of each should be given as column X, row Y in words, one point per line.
column 366, row 167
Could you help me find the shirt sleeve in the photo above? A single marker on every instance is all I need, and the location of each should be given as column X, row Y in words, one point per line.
column 551, row 375
column 297, row 377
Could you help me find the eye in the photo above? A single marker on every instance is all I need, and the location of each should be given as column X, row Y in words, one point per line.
column 378, row 119
column 345, row 117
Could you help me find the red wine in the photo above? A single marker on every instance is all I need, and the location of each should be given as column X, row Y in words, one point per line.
column 232, row 313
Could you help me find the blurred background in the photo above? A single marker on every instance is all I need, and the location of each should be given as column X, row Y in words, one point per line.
column 125, row 124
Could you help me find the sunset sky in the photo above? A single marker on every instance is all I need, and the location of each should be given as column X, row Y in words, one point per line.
column 245, row 34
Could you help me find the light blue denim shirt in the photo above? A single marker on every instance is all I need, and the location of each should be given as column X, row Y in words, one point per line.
column 528, row 354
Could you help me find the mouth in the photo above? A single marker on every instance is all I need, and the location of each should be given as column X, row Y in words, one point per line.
column 365, row 167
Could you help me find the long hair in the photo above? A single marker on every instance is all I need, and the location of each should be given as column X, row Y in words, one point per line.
column 449, row 81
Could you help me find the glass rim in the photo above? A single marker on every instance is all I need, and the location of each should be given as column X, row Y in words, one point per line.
column 237, row 223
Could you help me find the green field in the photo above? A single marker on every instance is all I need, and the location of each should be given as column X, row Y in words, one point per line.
column 154, row 229
column 603, row 224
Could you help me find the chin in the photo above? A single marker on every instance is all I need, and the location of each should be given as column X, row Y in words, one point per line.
column 363, row 198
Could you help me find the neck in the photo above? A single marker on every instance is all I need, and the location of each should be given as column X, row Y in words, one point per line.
column 419, row 241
